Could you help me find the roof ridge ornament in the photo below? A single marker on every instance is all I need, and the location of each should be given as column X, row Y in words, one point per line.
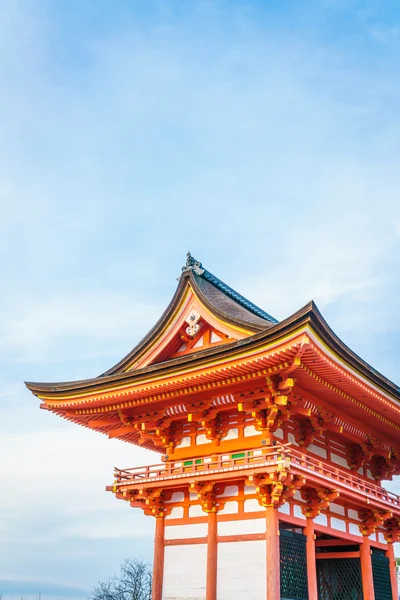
column 193, row 265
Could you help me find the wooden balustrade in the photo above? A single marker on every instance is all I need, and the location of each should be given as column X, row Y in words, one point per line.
column 313, row 468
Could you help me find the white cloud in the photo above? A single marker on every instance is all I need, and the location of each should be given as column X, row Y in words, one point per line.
column 37, row 326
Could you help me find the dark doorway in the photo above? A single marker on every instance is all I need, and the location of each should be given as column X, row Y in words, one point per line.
column 381, row 575
column 339, row 579
column 293, row 564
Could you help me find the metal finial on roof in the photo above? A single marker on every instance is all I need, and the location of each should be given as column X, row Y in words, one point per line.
column 189, row 259
column 193, row 264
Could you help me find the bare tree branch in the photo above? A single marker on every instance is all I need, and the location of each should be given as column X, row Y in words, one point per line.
column 133, row 583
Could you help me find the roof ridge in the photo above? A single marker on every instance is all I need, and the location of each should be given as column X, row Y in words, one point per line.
column 194, row 265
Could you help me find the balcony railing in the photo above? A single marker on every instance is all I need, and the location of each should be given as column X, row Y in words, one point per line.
column 269, row 458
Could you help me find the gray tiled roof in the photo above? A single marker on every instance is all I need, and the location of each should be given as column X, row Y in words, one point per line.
column 226, row 299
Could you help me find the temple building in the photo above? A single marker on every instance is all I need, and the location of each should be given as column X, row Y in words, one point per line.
column 274, row 443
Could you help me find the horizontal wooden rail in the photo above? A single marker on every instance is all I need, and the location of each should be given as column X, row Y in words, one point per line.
column 270, row 455
column 284, row 455
column 331, row 555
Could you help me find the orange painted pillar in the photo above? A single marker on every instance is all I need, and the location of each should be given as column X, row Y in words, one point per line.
column 158, row 566
column 311, row 560
column 366, row 569
column 212, row 557
column 273, row 564
column 392, row 567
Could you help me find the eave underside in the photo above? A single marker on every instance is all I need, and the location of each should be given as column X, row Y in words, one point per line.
column 316, row 374
column 327, row 369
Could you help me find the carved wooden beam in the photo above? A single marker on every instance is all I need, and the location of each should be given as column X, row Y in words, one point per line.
column 317, row 499
column 372, row 519
column 151, row 501
column 381, row 468
column 275, row 489
column 355, row 456
column 304, row 432
column 206, row 493
column 392, row 530
column 216, row 424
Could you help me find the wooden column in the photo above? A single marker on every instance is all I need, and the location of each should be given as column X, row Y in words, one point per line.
column 158, row 566
column 392, row 567
column 366, row 569
column 212, row 554
column 273, row 564
column 311, row 561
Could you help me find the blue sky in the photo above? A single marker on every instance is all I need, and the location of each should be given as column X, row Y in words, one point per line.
column 263, row 136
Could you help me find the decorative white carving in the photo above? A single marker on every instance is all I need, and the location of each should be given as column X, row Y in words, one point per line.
column 193, row 323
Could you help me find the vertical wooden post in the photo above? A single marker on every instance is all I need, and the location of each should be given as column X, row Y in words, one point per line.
column 366, row 569
column 392, row 567
column 311, row 561
column 273, row 564
column 158, row 566
column 212, row 557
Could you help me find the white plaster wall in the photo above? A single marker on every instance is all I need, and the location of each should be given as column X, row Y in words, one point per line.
column 337, row 508
column 185, row 572
column 317, row 450
column 241, row 570
column 285, row 508
column 184, row 443
column 338, row 524
column 353, row 514
column 182, row 532
column 241, row 527
column 195, row 510
column 252, row 505
column 230, row 508
column 231, row 435
column 381, row 538
column 250, row 430
column 176, row 513
column 297, row 512
column 353, row 528
column 321, row 519
column 230, row 490
column 202, row 439
column 339, row 460
column 177, row 497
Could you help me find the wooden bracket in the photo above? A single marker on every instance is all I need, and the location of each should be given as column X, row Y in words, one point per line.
column 206, row 493
column 392, row 530
column 151, row 501
column 371, row 519
column 355, row 456
column 317, row 499
column 276, row 488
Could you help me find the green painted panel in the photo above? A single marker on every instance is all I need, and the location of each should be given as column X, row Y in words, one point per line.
column 238, row 455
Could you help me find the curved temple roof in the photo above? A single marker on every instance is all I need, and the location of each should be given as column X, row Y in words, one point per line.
column 252, row 339
column 203, row 274
column 223, row 301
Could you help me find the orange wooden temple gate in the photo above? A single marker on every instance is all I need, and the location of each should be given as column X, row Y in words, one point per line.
column 274, row 441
